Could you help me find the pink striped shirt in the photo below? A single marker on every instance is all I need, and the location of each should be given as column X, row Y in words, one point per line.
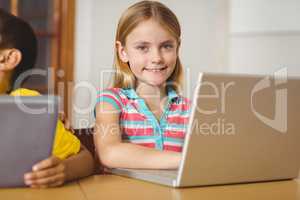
column 140, row 126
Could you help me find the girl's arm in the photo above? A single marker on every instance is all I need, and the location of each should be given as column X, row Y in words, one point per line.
column 113, row 153
column 53, row 171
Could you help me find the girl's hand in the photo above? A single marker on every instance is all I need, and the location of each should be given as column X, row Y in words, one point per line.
column 50, row 172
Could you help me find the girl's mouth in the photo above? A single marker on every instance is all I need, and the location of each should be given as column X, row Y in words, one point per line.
column 155, row 69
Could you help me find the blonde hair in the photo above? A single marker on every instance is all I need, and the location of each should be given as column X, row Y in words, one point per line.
column 135, row 14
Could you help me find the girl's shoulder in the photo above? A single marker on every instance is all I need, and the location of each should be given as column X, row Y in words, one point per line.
column 184, row 100
column 178, row 98
column 181, row 103
column 114, row 96
column 117, row 93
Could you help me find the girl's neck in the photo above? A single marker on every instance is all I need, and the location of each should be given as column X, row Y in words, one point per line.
column 154, row 96
column 147, row 91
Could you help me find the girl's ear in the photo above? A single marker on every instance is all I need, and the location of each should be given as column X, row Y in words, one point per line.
column 9, row 59
column 121, row 52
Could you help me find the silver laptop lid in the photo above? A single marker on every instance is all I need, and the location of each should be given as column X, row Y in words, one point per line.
column 243, row 128
column 27, row 132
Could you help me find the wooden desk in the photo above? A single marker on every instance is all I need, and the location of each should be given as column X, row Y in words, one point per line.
column 70, row 191
column 115, row 187
column 110, row 187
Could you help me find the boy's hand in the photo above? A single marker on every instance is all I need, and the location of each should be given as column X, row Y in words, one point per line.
column 50, row 172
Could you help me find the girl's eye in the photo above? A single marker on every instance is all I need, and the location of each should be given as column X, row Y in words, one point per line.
column 142, row 48
column 167, row 46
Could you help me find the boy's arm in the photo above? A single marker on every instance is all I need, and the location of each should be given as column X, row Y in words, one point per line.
column 79, row 165
column 114, row 153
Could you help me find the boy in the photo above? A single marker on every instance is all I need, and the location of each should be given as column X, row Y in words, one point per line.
column 18, row 52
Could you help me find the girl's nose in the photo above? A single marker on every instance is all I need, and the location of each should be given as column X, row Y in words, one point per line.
column 156, row 56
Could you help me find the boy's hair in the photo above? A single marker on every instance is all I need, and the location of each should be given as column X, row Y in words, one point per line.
column 18, row 34
column 135, row 14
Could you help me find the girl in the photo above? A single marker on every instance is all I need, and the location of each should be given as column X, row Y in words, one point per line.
column 18, row 50
column 140, row 122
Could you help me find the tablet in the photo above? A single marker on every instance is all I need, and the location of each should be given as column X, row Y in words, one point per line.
column 27, row 130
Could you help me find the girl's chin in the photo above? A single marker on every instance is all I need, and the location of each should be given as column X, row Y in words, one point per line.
column 154, row 80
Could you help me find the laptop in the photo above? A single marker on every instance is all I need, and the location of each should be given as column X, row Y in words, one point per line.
column 27, row 132
column 242, row 129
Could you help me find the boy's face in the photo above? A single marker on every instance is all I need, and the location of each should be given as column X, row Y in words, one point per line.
column 151, row 52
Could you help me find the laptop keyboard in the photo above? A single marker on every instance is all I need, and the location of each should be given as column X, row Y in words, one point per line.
column 161, row 173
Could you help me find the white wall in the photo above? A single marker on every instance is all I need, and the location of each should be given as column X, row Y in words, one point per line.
column 264, row 36
column 204, row 44
column 264, row 15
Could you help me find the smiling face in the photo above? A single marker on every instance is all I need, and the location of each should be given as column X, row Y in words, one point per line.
column 151, row 52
